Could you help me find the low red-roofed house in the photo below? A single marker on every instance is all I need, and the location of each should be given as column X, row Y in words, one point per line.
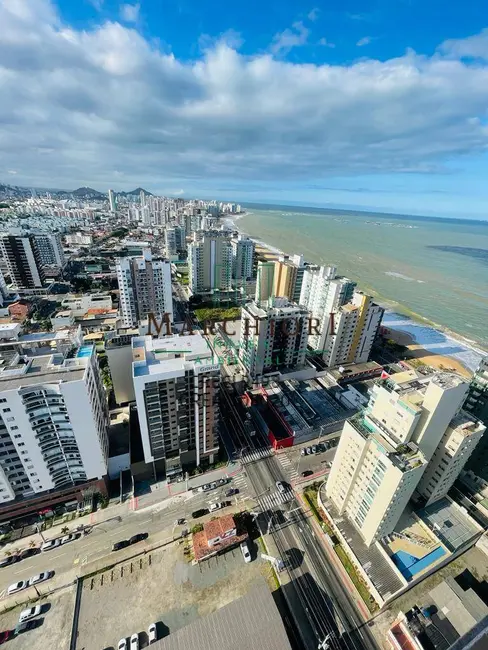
column 217, row 536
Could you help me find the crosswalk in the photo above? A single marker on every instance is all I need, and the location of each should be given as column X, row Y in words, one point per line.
column 269, row 501
column 239, row 481
column 288, row 467
column 256, row 454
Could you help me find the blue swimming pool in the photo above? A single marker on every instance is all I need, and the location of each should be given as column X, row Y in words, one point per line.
column 84, row 351
column 409, row 565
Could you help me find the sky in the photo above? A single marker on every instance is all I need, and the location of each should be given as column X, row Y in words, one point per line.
column 375, row 105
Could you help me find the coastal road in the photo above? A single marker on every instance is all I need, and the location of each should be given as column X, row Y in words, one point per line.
column 325, row 601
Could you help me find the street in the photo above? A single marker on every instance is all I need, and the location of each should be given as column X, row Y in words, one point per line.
column 322, row 604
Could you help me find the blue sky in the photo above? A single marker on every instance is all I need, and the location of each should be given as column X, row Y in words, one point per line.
column 375, row 105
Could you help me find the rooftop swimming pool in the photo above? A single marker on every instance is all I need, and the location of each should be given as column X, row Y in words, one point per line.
column 409, row 565
column 84, row 351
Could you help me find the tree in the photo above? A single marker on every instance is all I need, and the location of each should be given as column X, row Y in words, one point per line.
column 32, row 544
column 65, row 530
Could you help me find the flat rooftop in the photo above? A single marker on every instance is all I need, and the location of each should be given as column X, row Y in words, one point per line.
column 282, row 308
column 50, row 368
column 150, row 355
column 251, row 622
column 449, row 523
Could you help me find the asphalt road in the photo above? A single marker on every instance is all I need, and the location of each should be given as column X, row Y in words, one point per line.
column 68, row 559
column 324, row 599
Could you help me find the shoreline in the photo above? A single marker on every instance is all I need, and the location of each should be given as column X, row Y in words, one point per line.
column 476, row 352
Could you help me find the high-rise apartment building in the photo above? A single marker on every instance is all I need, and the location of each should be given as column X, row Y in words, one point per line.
column 476, row 404
column 112, row 199
column 50, row 249
column 264, row 282
column 242, row 258
column 285, row 275
column 410, row 424
column 273, row 337
column 174, row 240
column 210, row 262
column 145, row 287
column 176, row 384
column 351, row 331
column 53, row 417
column 323, row 293
column 301, row 266
column 23, row 259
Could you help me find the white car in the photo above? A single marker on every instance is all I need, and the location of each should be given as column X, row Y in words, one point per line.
column 52, row 543
column 281, row 486
column 68, row 538
column 27, row 614
column 122, row 644
column 134, row 642
column 216, row 506
column 152, row 633
column 17, row 586
column 40, row 577
column 245, row 552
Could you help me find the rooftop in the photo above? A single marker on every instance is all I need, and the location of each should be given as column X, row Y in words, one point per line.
column 280, row 307
column 152, row 356
column 17, row 371
column 251, row 622
column 465, row 424
column 449, row 523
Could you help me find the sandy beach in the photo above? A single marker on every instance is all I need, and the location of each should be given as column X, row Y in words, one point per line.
column 437, row 361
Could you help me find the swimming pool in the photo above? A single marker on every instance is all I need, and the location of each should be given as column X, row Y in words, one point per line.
column 84, row 351
column 410, row 565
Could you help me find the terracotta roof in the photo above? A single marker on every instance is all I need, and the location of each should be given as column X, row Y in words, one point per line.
column 218, row 527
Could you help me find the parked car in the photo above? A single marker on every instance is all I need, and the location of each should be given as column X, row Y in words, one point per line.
column 52, row 543
column 309, row 450
column 199, row 513
column 17, row 586
column 10, row 559
column 120, row 545
column 20, row 628
column 281, row 487
column 5, row 636
column 231, row 492
column 40, row 577
column 213, row 485
column 303, row 452
column 27, row 552
column 68, row 538
column 307, row 472
column 314, row 449
column 216, row 506
column 152, row 633
column 180, row 521
column 245, row 552
column 31, row 612
column 138, row 538
column 134, row 642
column 122, row 644
column 223, row 481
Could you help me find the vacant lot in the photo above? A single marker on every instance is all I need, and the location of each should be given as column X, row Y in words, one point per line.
column 161, row 588
column 56, row 619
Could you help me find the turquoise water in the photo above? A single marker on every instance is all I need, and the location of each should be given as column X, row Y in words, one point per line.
column 435, row 268
column 84, row 351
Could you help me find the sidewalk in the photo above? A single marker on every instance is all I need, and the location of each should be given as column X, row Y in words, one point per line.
column 163, row 490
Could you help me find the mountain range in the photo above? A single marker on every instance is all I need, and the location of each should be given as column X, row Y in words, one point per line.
column 18, row 192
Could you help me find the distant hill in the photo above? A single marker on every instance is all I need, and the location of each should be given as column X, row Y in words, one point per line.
column 87, row 193
column 135, row 192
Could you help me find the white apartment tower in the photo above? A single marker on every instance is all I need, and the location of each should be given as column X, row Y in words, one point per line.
column 112, row 201
column 383, row 452
column 53, row 419
column 273, row 338
column 242, row 258
column 50, row 249
column 176, row 384
column 210, row 262
column 145, row 287
column 174, row 240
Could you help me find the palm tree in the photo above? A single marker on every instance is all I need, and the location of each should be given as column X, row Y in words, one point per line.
column 65, row 530
column 32, row 544
column 8, row 553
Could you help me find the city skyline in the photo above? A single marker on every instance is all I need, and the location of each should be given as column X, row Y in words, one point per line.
column 383, row 109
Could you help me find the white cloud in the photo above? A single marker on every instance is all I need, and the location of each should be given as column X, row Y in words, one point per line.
column 11, row 171
column 106, row 108
column 97, row 4
column 314, row 14
column 284, row 41
column 366, row 40
column 325, row 43
column 472, row 47
column 130, row 13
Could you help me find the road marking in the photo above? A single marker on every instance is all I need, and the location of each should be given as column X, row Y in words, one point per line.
column 22, row 570
column 146, row 521
column 55, row 557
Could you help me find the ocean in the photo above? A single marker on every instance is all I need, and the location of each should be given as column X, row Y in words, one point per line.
column 430, row 268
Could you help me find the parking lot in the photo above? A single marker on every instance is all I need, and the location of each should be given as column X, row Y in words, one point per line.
column 54, row 627
column 163, row 588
